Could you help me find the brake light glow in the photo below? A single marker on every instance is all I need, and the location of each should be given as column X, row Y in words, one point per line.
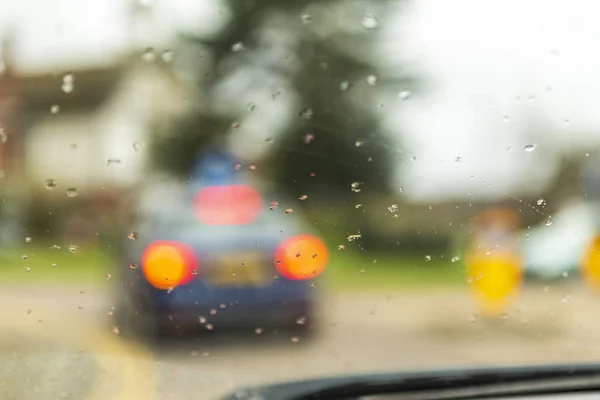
column 167, row 264
column 228, row 205
column 301, row 257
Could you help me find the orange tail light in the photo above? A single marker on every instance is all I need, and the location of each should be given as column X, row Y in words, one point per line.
column 301, row 257
column 168, row 264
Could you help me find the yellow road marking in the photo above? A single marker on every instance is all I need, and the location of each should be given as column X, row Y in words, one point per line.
column 131, row 365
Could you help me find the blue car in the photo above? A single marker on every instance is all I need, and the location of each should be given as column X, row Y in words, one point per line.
column 215, row 254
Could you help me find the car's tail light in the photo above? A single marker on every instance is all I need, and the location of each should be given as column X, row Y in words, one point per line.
column 301, row 257
column 228, row 205
column 168, row 264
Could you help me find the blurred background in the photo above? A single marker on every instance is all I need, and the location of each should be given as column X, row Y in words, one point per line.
column 416, row 137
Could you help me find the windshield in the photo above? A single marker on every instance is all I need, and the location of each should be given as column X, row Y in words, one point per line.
column 202, row 195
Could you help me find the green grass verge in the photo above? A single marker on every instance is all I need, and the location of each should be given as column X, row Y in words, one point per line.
column 357, row 272
column 82, row 266
column 348, row 269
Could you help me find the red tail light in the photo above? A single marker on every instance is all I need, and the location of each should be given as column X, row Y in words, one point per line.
column 167, row 264
column 228, row 205
column 301, row 257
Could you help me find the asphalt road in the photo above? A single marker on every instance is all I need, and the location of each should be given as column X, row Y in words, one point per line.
column 59, row 343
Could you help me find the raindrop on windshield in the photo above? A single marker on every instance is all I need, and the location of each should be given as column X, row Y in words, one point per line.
column 27, row 239
column 133, row 266
column 132, row 235
column 167, row 56
column 455, row 259
column 73, row 248
column 52, row 265
column 68, row 83
column 345, row 85
column 404, row 94
column 3, row 136
column 50, row 184
column 148, row 55
column 359, row 143
column 301, row 321
column 306, row 113
column 308, row 138
column 372, row 80
column 303, row 197
column 355, row 187
column 24, row 257
column 27, row 269
column 294, row 339
column 137, row 146
column 369, row 21
column 306, row 18
column 54, row 109
column 530, row 147
column 427, row 258
column 258, row 331
column 353, row 238
column 107, row 276
column 237, row 47
column 549, row 221
column 71, row 192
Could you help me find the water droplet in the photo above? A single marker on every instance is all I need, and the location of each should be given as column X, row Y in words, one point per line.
column 313, row 285
column 541, row 201
column 133, row 266
column 358, row 206
column 209, row 327
column 252, row 167
column 546, row 289
column 549, row 221
column 345, row 85
column 427, row 258
column 294, row 339
column 354, row 238
column 50, row 184
column 148, row 56
column 54, row 109
column 306, row 18
column 24, row 257
column 301, row 321
column 565, row 274
column 258, row 331
column 369, row 21
column 359, row 143
column 355, row 187
column 71, row 192
column 237, row 47
column 194, row 272
column 52, row 265
column 372, row 80
column 115, row 330
column 404, row 94
column 68, row 83
column 167, row 56
column 393, row 208
column 73, row 248
column 107, row 276
column 289, row 211
column 565, row 299
column 306, row 113
column 27, row 269
column 132, row 235
column 308, row 138
column 273, row 206
column 341, row 247
column 530, row 147
column 137, row 146
column 113, row 161
column 27, row 239
column 303, row 197
column 213, row 312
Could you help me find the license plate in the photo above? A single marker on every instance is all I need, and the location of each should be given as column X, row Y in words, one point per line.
column 240, row 270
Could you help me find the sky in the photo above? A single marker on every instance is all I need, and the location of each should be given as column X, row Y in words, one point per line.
column 502, row 75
